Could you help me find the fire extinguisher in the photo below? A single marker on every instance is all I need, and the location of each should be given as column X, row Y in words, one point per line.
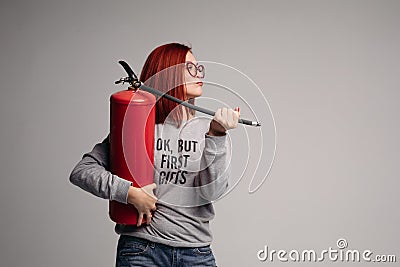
column 132, row 121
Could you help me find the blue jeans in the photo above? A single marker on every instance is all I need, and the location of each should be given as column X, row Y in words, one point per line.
column 135, row 251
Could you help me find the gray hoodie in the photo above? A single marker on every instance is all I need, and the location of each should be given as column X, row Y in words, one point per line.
column 191, row 171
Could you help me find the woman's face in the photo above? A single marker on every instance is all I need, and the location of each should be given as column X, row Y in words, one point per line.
column 193, row 84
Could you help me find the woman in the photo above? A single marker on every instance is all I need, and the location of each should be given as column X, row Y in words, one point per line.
column 191, row 170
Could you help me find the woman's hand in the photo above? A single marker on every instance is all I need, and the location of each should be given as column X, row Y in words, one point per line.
column 144, row 201
column 224, row 119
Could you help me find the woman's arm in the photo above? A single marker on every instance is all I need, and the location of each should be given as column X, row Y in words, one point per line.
column 213, row 178
column 92, row 175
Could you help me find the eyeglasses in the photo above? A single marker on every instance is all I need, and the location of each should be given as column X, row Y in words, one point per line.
column 195, row 70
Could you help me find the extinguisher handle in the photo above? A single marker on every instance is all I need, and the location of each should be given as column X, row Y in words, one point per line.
column 186, row 104
column 128, row 69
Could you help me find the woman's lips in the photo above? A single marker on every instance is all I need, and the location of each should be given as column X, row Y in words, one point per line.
column 200, row 83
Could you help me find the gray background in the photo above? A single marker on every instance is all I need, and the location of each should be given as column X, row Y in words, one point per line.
column 329, row 69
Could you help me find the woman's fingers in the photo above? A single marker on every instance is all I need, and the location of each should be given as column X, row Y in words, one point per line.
column 224, row 119
column 237, row 109
column 235, row 117
column 149, row 189
column 228, row 118
column 225, row 115
column 148, row 217
column 140, row 219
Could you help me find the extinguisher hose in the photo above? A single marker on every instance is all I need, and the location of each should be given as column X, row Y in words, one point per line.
column 186, row 104
column 136, row 84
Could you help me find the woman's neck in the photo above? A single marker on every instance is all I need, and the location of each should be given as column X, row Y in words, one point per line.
column 185, row 115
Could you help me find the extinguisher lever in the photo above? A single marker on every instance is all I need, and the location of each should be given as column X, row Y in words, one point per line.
column 128, row 69
column 132, row 78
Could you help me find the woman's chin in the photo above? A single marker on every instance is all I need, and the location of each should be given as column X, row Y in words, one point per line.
column 194, row 95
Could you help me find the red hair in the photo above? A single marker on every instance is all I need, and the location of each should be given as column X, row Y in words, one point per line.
column 164, row 71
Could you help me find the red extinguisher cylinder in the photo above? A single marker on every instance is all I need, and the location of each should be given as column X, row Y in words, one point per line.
column 132, row 121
